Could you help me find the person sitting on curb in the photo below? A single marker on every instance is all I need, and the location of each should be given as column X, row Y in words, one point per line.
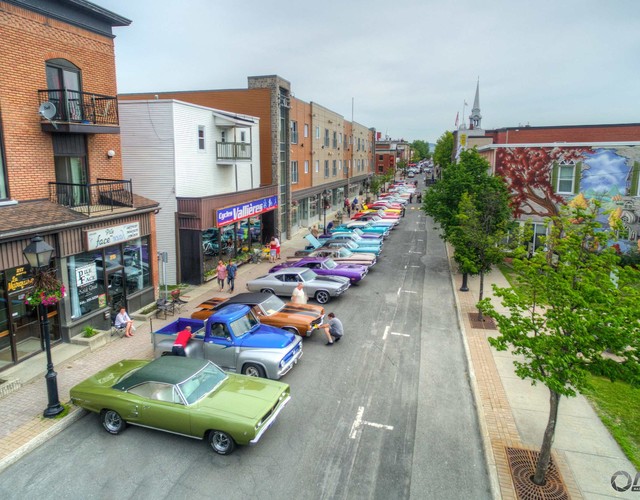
column 333, row 329
column 182, row 339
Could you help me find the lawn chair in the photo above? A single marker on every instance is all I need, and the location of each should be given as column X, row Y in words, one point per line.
column 164, row 307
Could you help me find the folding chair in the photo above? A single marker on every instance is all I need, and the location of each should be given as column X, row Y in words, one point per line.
column 176, row 301
column 117, row 330
column 164, row 307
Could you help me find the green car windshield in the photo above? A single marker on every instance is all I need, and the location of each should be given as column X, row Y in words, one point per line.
column 202, row 383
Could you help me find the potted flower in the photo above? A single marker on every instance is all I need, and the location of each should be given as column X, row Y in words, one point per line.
column 47, row 290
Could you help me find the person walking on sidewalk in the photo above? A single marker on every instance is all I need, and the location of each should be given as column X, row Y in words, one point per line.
column 232, row 269
column 124, row 321
column 333, row 329
column 182, row 339
column 221, row 274
column 277, row 248
column 272, row 249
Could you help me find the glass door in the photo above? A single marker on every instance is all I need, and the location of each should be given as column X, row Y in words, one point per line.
column 117, row 290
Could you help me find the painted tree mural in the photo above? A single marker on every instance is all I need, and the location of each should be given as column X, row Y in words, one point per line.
column 527, row 172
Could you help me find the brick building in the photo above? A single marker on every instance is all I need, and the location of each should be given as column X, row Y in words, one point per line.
column 61, row 175
column 291, row 162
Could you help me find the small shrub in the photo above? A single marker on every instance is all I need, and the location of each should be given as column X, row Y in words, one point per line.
column 89, row 331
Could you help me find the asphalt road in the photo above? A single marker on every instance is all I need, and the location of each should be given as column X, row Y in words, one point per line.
column 386, row 413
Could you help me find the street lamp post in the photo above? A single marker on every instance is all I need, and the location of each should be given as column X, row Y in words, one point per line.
column 325, row 193
column 38, row 253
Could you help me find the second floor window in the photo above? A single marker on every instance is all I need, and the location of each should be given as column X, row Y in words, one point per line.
column 317, row 166
column 306, row 130
column 294, row 172
column 565, row 178
column 317, row 132
column 334, row 170
column 306, row 166
column 326, row 168
column 294, row 132
column 326, row 137
column 201, row 137
column 64, row 87
column 335, row 139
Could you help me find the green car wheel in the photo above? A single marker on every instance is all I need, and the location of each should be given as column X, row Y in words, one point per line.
column 221, row 442
column 112, row 421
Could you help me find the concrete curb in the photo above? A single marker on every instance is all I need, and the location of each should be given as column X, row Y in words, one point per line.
column 74, row 415
column 484, row 430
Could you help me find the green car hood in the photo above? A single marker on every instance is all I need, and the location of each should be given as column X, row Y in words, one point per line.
column 245, row 397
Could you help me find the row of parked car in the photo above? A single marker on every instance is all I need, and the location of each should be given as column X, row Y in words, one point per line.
column 221, row 391
column 341, row 257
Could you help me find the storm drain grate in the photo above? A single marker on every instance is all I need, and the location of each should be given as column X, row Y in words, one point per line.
column 486, row 323
column 523, row 466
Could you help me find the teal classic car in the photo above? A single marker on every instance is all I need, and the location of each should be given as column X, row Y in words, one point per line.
column 185, row 396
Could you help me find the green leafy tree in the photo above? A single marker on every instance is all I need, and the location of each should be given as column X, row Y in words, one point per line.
column 402, row 167
column 420, row 150
column 376, row 184
column 483, row 221
column 442, row 201
column 443, row 152
column 573, row 304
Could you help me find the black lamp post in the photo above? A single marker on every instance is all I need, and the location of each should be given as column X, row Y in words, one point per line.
column 38, row 253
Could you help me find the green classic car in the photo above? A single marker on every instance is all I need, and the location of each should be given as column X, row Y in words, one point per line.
column 190, row 397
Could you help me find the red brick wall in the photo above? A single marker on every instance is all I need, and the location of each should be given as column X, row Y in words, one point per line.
column 28, row 40
column 587, row 133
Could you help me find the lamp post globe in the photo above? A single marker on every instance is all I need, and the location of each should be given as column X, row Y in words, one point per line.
column 38, row 253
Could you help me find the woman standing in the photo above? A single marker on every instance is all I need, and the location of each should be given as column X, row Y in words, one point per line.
column 273, row 246
column 222, row 274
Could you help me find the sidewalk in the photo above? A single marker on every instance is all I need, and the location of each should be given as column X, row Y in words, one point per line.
column 514, row 414
column 511, row 412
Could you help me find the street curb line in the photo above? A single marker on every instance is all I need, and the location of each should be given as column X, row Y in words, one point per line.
column 25, row 449
column 484, row 430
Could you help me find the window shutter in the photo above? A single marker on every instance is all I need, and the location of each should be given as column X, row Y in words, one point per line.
column 635, row 175
column 554, row 176
column 577, row 175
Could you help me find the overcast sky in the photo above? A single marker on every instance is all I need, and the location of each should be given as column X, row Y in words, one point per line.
column 409, row 65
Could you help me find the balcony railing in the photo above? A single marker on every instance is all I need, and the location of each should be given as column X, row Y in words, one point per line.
column 72, row 106
column 106, row 195
column 233, row 151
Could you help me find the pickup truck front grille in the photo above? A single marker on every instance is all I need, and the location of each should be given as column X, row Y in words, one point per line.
column 291, row 354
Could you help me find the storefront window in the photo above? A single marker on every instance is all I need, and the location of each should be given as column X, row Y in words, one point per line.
column 97, row 279
column 86, row 283
column 136, row 264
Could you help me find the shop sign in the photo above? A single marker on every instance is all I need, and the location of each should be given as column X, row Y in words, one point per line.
column 107, row 236
column 19, row 278
column 229, row 215
column 86, row 274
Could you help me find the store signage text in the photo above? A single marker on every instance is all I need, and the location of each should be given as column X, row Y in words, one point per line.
column 107, row 236
column 233, row 214
column 19, row 279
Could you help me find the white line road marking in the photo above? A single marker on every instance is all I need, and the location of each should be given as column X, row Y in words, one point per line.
column 411, row 251
column 419, row 240
column 409, row 291
column 415, row 266
column 399, row 289
column 386, row 331
column 401, row 334
column 358, row 423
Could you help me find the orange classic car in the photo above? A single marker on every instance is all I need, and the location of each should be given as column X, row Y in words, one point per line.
column 301, row 319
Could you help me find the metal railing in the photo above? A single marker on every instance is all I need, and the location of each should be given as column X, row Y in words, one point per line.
column 72, row 106
column 105, row 195
column 233, row 151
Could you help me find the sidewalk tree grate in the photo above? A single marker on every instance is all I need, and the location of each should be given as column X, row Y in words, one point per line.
column 522, row 464
column 486, row 323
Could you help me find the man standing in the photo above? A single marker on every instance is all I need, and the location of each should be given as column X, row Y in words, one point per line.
column 232, row 269
column 333, row 329
column 299, row 296
column 182, row 339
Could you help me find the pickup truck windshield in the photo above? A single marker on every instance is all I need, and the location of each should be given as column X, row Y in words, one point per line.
column 244, row 325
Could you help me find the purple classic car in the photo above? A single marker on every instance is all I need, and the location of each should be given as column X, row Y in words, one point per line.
column 325, row 266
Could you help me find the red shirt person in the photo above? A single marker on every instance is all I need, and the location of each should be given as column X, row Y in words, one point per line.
column 182, row 339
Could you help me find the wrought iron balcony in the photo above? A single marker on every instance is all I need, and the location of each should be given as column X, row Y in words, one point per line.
column 106, row 195
column 71, row 107
column 233, row 151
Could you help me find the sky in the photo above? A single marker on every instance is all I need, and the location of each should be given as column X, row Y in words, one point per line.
column 405, row 67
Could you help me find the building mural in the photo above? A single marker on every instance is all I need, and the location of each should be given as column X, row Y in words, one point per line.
column 610, row 175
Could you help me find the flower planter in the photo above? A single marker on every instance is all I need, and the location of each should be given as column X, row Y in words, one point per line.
column 95, row 342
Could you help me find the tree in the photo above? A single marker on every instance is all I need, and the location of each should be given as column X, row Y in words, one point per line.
column 443, row 152
column 376, row 184
column 483, row 220
column 572, row 304
column 402, row 166
column 442, row 201
column 420, row 150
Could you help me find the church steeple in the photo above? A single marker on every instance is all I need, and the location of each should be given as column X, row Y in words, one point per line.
column 475, row 117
